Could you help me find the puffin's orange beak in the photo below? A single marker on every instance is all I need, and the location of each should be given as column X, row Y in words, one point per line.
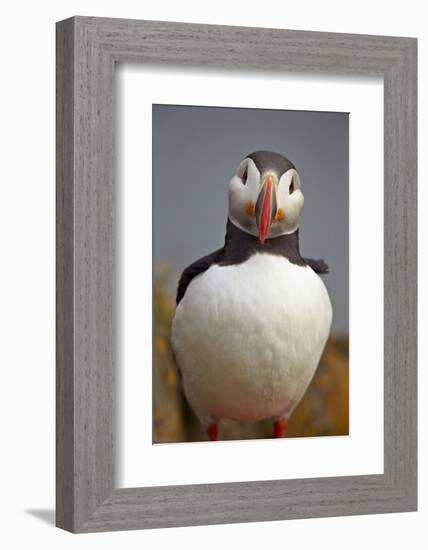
column 266, row 207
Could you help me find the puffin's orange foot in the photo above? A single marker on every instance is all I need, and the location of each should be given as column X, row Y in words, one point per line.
column 212, row 431
column 279, row 428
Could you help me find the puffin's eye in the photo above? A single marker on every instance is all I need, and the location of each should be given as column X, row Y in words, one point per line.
column 244, row 175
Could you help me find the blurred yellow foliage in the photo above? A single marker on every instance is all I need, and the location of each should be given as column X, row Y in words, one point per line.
column 324, row 410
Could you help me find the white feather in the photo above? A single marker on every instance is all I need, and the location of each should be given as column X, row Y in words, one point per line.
column 241, row 195
column 248, row 337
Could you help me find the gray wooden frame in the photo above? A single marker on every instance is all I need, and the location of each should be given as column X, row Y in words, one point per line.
column 87, row 50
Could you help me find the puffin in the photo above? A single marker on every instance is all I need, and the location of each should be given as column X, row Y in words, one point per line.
column 253, row 317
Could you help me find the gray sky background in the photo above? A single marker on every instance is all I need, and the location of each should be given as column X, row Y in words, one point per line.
column 196, row 150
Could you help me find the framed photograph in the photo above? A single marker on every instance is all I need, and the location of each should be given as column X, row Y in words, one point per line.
column 236, row 274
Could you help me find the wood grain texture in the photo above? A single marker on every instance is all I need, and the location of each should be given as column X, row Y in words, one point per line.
column 87, row 49
column 64, row 277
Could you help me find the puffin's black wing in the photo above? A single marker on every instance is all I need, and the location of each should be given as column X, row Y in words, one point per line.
column 319, row 266
column 196, row 268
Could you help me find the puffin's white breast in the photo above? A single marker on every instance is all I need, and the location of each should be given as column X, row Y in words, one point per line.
column 248, row 337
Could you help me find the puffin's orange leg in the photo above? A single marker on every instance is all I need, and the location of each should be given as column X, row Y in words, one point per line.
column 212, row 431
column 280, row 427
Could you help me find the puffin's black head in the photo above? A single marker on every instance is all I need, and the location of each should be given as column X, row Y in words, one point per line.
column 265, row 199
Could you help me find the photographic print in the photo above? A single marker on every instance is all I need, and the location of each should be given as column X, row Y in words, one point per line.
column 178, row 399
column 206, row 211
column 250, row 271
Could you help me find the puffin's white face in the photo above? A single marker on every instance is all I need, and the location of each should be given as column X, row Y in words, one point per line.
column 264, row 204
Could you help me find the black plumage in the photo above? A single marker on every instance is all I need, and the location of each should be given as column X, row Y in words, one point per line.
column 269, row 161
column 239, row 247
